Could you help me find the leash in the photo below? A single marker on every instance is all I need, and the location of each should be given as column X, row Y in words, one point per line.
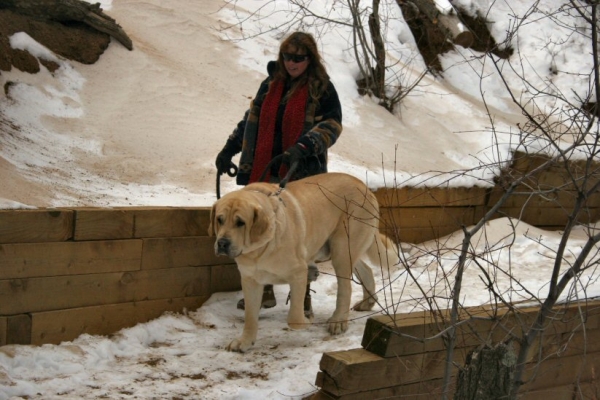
column 232, row 171
column 287, row 177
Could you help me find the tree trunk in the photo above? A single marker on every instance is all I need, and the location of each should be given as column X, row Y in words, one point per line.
column 449, row 25
column 488, row 374
column 69, row 11
column 379, row 47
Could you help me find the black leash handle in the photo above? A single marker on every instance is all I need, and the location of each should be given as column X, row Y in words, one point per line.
column 232, row 171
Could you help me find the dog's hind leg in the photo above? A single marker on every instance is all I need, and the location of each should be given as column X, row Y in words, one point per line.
column 364, row 274
column 343, row 256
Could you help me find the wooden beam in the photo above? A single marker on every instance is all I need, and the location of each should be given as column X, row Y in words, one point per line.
column 542, row 217
column 62, row 292
column 30, row 226
column 104, row 224
column 225, row 278
column 171, row 222
column 28, row 260
column 18, row 329
column 561, row 371
column 427, row 217
column 401, row 334
column 61, row 325
column 431, row 197
column 140, row 222
column 3, row 330
column 176, row 252
column 358, row 370
column 417, row 235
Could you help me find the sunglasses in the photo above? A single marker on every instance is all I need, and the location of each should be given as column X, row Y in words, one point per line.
column 297, row 58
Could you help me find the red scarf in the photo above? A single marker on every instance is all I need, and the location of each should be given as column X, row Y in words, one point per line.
column 293, row 123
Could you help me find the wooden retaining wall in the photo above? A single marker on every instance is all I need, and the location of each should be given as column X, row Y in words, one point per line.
column 415, row 215
column 392, row 366
column 64, row 272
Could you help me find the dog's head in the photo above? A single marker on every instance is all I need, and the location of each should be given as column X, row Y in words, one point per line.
column 242, row 222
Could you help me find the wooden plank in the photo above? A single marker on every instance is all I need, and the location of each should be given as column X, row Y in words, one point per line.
column 427, row 217
column 418, row 235
column 401, row 334
column 57, row 326
column 385, row 341
column 561, row 392
column 561, row 178
column 556, row 392
column 68, row 258
column 577, row 344
column 32, row 226
column 141, row 222
column 547, row 216
column 559, row 371
column 432, row 197
column 526, row 162
column 103, row 224
column 3, row 329
column 18, row 329
column 432, row 388
column 225, row 278
column 61, row 292
column 525, row 197
column 171, row 222
column 427, row 389
column 320, row 395
column 358, row 370
column 181, row 252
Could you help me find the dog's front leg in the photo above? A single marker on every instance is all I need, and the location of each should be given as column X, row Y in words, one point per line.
column 253, row 292
column 296, row 317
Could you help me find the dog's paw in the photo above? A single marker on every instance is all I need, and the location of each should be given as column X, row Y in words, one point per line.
column 336, row 327
column 365, row 305
column 239, row 345
column 300, row 325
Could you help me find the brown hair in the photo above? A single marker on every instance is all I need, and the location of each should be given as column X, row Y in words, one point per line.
column 315, row 75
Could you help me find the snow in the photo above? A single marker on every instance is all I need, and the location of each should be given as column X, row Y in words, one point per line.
column 142, row 128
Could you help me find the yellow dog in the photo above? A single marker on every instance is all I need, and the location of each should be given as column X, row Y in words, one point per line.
column 274, row 234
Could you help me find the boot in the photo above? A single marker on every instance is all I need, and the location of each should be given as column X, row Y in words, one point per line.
column 308, row 311
column 268, row 299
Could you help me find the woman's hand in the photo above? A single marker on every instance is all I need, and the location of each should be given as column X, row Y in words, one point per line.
column 294, row 154
column 224, row 164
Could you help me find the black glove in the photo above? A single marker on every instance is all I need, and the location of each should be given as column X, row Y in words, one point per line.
column 295, row 153
column 223, row 161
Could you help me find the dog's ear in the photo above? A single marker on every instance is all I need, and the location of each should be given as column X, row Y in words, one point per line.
column 211, row 223
column 260, row 224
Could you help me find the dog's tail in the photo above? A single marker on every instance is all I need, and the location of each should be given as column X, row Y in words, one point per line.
column 384, row 252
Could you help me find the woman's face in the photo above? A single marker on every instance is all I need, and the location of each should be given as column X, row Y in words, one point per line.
column 295, row 61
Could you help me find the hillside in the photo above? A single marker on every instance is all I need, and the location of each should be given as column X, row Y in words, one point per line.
column 143, row 127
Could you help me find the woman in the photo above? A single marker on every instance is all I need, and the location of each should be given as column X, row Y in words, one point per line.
column 297, row 113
